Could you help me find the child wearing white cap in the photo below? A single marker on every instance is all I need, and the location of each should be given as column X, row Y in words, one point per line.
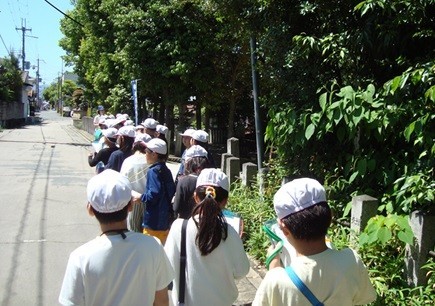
column 135, row 168
column 186, row 136
column 200, row 137
column 103, row 155
column 195, row 161
column 215, row 256
column 159, row 191
column 332, row 277
column 150, row 125
column 125, row 139
column 118, row 267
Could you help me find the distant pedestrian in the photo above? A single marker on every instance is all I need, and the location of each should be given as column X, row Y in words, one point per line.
column 109, row 146
column 100, row 115
column 195, row 161
column 98, row 133
column 135, row 168
column 140, row 129
column 118, row 267
column 200, row 137
column 125, row 139
column 185, row 138
column 334, row 277
column 150, row 125
column 215, row 256
column 159, row 191
column 161, row 132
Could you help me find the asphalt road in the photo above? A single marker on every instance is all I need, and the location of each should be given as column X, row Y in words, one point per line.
column 43, row 177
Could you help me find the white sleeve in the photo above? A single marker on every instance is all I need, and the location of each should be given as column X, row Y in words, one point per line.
column 72, row 292
column 165, row 272
column 237, row 254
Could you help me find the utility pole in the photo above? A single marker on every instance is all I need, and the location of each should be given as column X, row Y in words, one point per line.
column 37, row 84
column 24, row 30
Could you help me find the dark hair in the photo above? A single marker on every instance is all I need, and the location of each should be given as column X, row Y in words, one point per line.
column 195, row 163
column 106, row 218
column 127, row 144
column 311, row 223
column 139, row 146
column 163, row 137
column 212, row 226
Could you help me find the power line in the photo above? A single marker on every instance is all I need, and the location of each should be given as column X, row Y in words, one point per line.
column 5, row 45
column 66, row 15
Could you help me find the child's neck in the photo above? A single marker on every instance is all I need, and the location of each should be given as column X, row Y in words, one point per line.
column 113, row 226
column 307, row 248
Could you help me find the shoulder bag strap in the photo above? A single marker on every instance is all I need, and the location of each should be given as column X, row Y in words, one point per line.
column 182, row 284
column 302, row 287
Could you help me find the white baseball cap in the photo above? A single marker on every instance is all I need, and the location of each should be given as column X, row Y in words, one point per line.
column 110, row 132
column 161, row 129
column 139, row 126
column 142, row 137
column 200, row 136
column 195, row 151
column 298, row 195
column 127, row 131
column 150, row 123
column 157, row 145
column 188, row 132
column 109, row 191
column 213, row 177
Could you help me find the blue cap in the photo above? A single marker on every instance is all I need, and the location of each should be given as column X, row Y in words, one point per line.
column 100, row 107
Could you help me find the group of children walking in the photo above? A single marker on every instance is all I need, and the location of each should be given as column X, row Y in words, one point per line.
column 142, row 258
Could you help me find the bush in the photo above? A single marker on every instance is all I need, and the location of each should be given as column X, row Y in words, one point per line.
column 381, row 246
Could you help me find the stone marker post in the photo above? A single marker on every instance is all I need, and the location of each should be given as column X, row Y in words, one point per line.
column 233, row 147
column 233, row 169
column 224, row 161
column 249, row 173
column 363, row 208
column 423, row 227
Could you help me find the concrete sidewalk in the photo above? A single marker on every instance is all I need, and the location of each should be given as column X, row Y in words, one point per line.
column 248, row 285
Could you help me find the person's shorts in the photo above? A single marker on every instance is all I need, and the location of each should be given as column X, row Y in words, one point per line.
column 161, row 235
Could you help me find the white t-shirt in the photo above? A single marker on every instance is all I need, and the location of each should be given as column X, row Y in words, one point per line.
column 135, row 168
column 110, row 270
column 334, row 277
column 209, row 279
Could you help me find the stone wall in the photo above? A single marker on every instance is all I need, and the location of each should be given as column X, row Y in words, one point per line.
column 11, row 114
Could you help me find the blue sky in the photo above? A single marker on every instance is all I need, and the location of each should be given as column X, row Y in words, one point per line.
column 44, row 21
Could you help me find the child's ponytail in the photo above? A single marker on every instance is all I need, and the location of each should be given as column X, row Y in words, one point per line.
column 211, row 224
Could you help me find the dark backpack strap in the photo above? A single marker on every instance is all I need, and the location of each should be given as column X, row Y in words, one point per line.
column 182, row 284
column 302, row 287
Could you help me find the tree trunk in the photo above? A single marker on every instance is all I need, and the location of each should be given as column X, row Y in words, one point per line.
column 198, row 115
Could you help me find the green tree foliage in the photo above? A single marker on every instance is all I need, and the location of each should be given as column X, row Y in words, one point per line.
column 51, row 93
column 373, row 124
column 175, row 49
column 55, row 91
column 10, row 79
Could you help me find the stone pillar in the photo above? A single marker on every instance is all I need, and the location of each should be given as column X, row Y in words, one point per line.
column 233, row 169
column 423, row 227
column 261, row 178
column 249, row 173
column 363, row 208
column 233, row 147
column 224, row 159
